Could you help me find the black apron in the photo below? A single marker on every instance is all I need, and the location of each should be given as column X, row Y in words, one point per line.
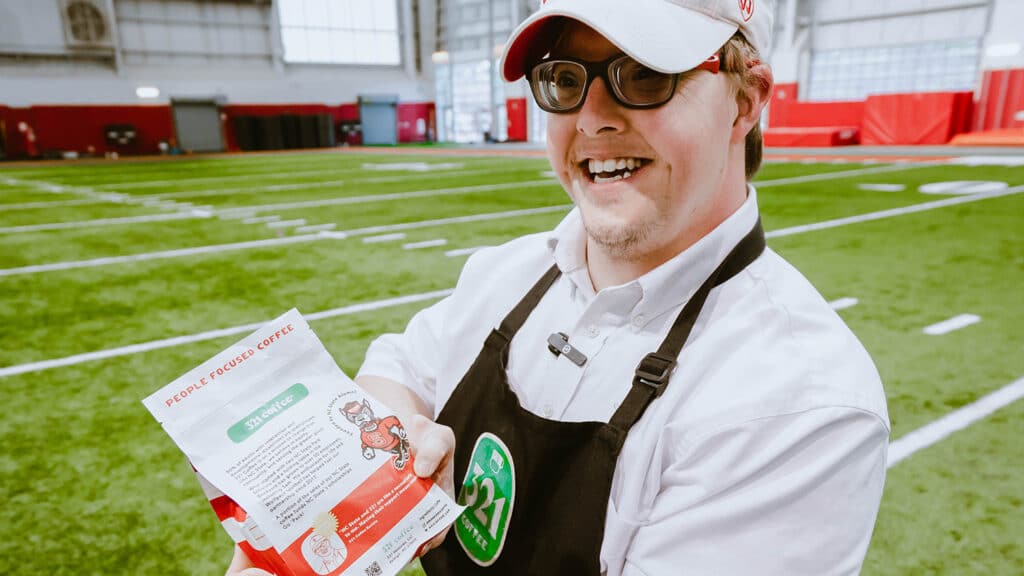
column 537, row 490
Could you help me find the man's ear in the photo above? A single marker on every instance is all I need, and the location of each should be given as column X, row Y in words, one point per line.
column 752, row 99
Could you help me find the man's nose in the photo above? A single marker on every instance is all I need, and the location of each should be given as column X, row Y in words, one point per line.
column 600, row 113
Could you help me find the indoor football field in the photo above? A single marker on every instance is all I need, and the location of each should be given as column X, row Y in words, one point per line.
column 116, row 277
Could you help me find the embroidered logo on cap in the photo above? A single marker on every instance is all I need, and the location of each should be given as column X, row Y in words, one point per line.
column 746, row 9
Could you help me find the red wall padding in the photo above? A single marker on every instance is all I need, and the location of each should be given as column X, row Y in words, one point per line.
column 416, row 121
column 347, row 112
column 1002, row 99
column 794, row 114
column 809, row 114
column 5, row 137
column 812, row 137
column 76, row 128
column 916, row 119
column 17, row 143
column 515, row 109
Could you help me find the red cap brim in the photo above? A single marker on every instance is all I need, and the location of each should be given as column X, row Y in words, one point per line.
column 529, row 46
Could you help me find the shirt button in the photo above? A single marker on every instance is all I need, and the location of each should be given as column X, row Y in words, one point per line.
column 638, row 320
column 593, row 331
column 548, row 410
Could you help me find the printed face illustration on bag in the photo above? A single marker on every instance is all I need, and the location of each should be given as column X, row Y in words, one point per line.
column 385, row 434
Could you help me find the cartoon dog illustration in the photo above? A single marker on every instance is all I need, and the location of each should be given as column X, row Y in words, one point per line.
column 385, row 434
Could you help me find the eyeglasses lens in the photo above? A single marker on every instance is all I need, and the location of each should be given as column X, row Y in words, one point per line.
column 558, row 85
column 638, row 85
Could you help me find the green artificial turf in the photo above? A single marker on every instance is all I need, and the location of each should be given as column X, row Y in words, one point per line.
column 92, row 484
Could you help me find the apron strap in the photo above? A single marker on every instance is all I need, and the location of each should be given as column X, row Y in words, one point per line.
column 654, row 371
column 517, row 317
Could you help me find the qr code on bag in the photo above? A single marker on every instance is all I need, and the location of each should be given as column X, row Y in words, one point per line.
column 374, row 570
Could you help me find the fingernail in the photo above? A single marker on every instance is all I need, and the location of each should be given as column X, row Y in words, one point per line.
column 423, row 467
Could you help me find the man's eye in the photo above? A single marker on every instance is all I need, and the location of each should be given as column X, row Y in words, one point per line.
column 641, row 73
column 566, row 81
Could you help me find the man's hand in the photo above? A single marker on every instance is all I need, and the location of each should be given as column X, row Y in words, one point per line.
column 367, row 452
column 241, row 566
column 433, row 450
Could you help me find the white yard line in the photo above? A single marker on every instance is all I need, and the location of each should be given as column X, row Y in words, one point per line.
column 462, row 219
column 98, row 222
column 464, row 251
column 99, row 196
column 456, row 220
column 843, row 174
column 951, row 325
column 412, row 166
column 332, row 235
column 287, row 223
column 316, row 185
column 442, row 169
column 229, row 212
column 882, row 187
column 989, row 161
column 425, row 244
column 180, row 340
column 211, row 249
column 54, row 204
column 382, row 238
column 400, row 178
column 230, row 178
column 369, row 198
column 843, row 303
column 925, row 206
column 923, row 437
column 261, row 220
column 316, row 228
column 215, row 248
column 236, row 215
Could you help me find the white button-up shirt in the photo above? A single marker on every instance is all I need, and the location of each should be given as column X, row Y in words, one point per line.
column 765, row 454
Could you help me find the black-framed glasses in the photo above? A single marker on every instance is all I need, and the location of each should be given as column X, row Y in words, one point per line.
column 560, row 86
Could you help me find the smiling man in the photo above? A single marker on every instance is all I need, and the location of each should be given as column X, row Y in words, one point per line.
column 646, row 389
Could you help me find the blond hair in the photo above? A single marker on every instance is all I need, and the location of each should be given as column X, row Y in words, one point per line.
column 737, row 58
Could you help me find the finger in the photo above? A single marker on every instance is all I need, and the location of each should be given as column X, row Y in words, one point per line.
column 435, row 541
column 432, row 446
column 444, row 475
column 239, row 562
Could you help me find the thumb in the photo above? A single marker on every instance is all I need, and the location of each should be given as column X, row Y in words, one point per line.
column 432, row 445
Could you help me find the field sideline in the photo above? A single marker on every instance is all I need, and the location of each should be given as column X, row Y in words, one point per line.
column 115, row 278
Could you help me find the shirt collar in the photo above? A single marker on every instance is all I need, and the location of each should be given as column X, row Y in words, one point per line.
column 668, row 285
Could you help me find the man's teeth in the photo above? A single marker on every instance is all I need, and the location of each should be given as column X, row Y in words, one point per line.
column 597, row 167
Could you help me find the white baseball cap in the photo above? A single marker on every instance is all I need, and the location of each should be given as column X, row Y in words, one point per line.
column 669, row 36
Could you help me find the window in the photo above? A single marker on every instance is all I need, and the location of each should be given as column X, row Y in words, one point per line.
column 86, row 22
column 340, row 31
column 854, row 74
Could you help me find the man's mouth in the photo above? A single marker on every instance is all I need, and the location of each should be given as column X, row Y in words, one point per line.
column 612, row 169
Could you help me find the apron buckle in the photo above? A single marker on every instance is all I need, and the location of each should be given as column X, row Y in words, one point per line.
column 654, row 371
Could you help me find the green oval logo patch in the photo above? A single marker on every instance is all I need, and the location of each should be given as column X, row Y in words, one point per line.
column 488, row 493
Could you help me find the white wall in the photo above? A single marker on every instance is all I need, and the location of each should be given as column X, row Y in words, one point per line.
column 804, row 27
column 1004, row 46
column 863, row 23
column 188, row 48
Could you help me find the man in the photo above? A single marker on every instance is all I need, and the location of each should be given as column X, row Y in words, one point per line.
column 646, row 389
